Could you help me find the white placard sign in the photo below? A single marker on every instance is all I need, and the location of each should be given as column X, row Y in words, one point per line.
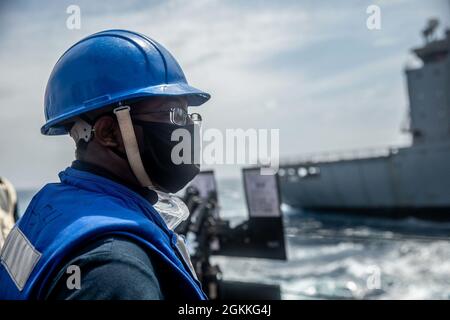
column 205, row 182
column 262, row 194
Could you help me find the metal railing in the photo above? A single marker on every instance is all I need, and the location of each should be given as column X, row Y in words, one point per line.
column 341, row 155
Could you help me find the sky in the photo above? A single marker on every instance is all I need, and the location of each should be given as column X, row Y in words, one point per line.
column 309, row 68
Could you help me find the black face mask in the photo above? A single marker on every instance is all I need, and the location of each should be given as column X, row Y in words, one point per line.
column 157, row 151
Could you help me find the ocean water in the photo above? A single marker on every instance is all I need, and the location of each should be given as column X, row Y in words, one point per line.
column 338, row 256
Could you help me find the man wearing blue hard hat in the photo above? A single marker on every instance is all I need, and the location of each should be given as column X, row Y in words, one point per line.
column 121, row 96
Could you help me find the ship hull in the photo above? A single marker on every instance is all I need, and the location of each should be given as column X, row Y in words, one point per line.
column 413, row 181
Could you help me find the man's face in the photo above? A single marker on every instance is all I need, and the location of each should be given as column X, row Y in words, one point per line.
column 154, row 109
column 155, row 120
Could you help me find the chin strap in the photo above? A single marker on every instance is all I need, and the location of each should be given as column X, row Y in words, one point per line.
column 131, row 147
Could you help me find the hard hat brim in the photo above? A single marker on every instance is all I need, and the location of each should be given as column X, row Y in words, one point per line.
column 194, row 97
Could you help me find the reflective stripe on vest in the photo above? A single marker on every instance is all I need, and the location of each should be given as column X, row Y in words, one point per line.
column 19, row 257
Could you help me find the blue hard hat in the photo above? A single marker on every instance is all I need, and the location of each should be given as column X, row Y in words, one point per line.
column 108, row 68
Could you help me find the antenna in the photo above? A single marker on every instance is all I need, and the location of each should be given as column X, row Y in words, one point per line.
column 429, row 31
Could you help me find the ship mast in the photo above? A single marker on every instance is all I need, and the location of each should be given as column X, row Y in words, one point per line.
column 429, row 32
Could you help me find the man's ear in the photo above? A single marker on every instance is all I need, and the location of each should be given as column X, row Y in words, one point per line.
column 107, row 132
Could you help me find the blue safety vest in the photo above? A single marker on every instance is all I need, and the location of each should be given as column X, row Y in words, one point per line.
column 63, row 217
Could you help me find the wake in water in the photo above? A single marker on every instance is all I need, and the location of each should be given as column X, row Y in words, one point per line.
column 338, row 256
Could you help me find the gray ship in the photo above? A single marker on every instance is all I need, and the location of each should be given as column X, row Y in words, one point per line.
column 412, row 180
